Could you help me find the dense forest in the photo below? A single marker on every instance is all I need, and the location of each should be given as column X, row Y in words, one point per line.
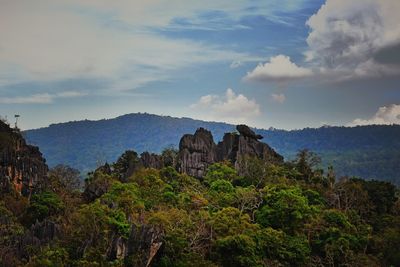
column 290, row 214
column 371, row 152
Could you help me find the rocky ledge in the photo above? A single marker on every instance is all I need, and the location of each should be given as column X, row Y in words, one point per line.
column 22, row 166
column 198, row 151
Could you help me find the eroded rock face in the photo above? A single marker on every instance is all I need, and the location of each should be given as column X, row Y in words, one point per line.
column 140, row 248
column 196, row 153
column 247, row 132
column 22, row 166
column 40, row 234
column 151, row 160
column 236, row 147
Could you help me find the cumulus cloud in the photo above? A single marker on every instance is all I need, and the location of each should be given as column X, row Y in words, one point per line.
column 278, row 98
column 279, row 68
column 385, row 115
column 44, row 98
column 350, row 38
column 231, row 107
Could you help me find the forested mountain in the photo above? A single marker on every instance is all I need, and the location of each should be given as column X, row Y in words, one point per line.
column 231, row 204
column 365, row 151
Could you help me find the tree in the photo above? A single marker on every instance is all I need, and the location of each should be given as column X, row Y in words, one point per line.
column 126, row 164
column 222, row 193
column 170, row 156
column 349, row 194
column 237, row 251
column 279, row 248
column 248, row 199
column 284, row 208
column 63, row 178
column 306, row 162
column 220, row 171
column 43, row 205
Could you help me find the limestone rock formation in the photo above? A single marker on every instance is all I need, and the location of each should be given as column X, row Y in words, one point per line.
column 247, row 132
column 235, row 147
column 22, row 166
column 151, row 160
column 140, row 248
column 40, row 234
column 196, row 153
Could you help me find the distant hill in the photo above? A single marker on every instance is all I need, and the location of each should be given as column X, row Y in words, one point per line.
column 365, row 151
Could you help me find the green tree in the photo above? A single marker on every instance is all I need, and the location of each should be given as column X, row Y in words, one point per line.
column 43, row 205
column 126, row 164
column 306, row 161
column 220, row 171
column 285, row 208
column 279, row 248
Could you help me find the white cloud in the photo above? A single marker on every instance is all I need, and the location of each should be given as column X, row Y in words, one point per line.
column 347, row 35
column 232, row 107
column 278, row 98
column 279, row 68
column 44, row 98
column 114, row 41
column 385, row 115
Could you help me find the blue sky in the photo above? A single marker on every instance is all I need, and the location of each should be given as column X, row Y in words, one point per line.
column 286, row 64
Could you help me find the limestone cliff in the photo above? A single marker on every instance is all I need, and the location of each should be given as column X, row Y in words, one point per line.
column 198, row 151
column 141, row 247
column 22, row 166
column 151, row 160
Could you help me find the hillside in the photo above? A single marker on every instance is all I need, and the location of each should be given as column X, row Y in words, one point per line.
column 231, row 204
column 365, row 151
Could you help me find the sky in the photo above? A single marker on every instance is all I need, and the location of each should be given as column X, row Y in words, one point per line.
column 278, row 63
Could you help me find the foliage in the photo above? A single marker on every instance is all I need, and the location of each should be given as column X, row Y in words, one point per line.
column 220, row 171
column 286, row 215
column 285, row 208
column 64, row 179
column 43, row 205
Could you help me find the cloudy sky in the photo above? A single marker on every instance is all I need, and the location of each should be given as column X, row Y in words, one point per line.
column 281, row 63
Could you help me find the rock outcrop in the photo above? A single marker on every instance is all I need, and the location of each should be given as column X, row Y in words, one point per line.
column 247, row 132
column 40, row 234
column 151, row 160
column 198, row 151
column 140, row 248
column 22, row 166
column 235, row 147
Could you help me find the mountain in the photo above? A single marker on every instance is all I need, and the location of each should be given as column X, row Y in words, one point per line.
column 371, row 152
column 231, row 203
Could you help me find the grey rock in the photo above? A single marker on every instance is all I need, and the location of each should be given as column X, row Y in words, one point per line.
column 139, row 250
column 196, row 153
column 40, row 234
column 22, row 166
column 151, row 160
column 247, row 132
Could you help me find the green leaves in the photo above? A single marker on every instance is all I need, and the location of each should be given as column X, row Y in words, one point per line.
column 286, row 209
column 42, row 206
column 220, row 171
column 270, row 216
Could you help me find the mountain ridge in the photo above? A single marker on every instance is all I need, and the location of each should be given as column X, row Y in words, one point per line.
column 87, row 143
